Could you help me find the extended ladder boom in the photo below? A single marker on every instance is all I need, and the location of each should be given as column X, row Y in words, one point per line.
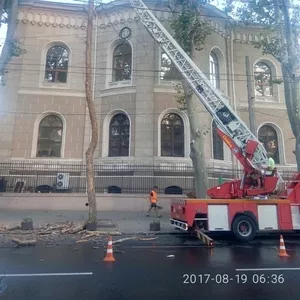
column 224, row 116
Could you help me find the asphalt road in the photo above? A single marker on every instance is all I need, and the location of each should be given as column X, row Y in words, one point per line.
column 144, row 271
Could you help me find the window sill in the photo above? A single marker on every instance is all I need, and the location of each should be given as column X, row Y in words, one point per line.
column 220, row 161
column 169, row 83
column 46, row 158
column 54, row 85
column 116, row 158
column 115, row 84
column 116, row 90
column 266, row 99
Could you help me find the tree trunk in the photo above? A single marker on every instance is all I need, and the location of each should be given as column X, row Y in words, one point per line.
column 1, row 10
column 289, row 72
column 92, row 113
column 11, row 28
column 196, row 144
column 297, row 150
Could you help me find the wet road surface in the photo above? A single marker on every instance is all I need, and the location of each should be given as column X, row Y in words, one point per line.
column 145, row 272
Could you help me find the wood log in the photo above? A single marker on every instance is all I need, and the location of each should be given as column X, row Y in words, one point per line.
column 24, row 242
column 12, row 227
column 66, row 230
column 77, row 228
column 44, row 233
column 57, row 227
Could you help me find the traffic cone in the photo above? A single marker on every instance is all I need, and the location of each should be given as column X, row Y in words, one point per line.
column 282, row 250
column 109, row 252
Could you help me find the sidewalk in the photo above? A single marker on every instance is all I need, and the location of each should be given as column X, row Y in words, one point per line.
column 126, row 222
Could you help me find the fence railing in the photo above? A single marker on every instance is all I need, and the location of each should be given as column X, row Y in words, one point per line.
column 70, row 177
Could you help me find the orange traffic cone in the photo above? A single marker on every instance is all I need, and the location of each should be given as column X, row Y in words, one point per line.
column 109, row 252
column 282, row 250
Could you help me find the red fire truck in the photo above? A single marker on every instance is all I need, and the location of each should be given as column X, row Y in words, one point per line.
column 245, row 206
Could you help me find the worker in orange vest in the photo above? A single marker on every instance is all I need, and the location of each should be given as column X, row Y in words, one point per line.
column 153, row 201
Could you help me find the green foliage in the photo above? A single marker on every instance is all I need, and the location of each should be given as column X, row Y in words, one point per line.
column 270, row 45
column 190, row 30
column 188, row 26
column 181, row 96
column 277, row 81
column 15, row 48
column 270, row 15
column 27, row 219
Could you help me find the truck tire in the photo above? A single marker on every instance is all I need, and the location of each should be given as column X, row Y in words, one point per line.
column 244, row 228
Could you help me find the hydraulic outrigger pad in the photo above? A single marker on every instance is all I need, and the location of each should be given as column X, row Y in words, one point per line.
column 204, row 238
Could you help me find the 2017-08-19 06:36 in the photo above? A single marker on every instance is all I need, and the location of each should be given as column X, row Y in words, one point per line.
column 236, row 278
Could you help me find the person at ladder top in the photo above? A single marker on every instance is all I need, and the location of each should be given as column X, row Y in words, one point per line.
column 271, row 164
column 153, row 202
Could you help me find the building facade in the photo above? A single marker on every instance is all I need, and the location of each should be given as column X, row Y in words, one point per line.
column 43, row 109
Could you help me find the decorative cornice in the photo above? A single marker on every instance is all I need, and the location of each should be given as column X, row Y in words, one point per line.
column 127, row 15
column 52, row 18
column 121, row 14
column 247, row 38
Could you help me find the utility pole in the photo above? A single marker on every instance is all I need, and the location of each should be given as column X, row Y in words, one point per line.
column 250, row 97
column 92, row 114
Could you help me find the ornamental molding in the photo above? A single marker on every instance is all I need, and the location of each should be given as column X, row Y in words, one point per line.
column 61, row 18
column 106, row 20
column 54, row 19
column 247, row 38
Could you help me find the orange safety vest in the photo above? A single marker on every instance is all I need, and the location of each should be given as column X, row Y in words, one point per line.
column 153, row 197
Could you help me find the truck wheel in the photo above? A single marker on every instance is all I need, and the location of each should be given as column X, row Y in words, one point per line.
column 244, row 228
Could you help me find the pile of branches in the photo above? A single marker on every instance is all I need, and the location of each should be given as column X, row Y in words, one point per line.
column 50, row 232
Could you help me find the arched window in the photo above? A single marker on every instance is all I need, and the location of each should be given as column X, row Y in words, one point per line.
column 57, row 64
column 50, row 137
column 122, row 62
column 267, row 135
column 172, row 136
column 119, row 133
column 218, row 146
column 214, row 70
column 263, row 80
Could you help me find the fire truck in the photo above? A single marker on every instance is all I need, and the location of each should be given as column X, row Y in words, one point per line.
column 256, row 202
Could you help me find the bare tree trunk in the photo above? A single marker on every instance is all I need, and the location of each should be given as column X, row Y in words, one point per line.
column 9, row 41
column 295, row 122
column 289, row 72
column 92, row 113
column 197, row 140
column 197, row 145
column 1, row 10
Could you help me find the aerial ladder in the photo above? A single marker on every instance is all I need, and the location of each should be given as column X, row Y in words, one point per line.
column 233, row 131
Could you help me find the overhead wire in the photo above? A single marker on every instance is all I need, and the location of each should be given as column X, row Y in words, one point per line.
column 20, row 67
column 106, row 74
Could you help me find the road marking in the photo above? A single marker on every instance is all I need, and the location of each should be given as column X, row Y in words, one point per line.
column 268, row 269
column 46, row 274
column 159, row 246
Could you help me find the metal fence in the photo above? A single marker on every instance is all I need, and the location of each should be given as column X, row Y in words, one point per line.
column 129, row 178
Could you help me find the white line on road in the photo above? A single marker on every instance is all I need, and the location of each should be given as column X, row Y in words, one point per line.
column 268, row 269
column 46, row 274
column 167, row 247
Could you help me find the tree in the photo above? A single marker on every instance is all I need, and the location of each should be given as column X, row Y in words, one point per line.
column 11, row 47
column 190, row 32
column 280, row 20
column 93, row 118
